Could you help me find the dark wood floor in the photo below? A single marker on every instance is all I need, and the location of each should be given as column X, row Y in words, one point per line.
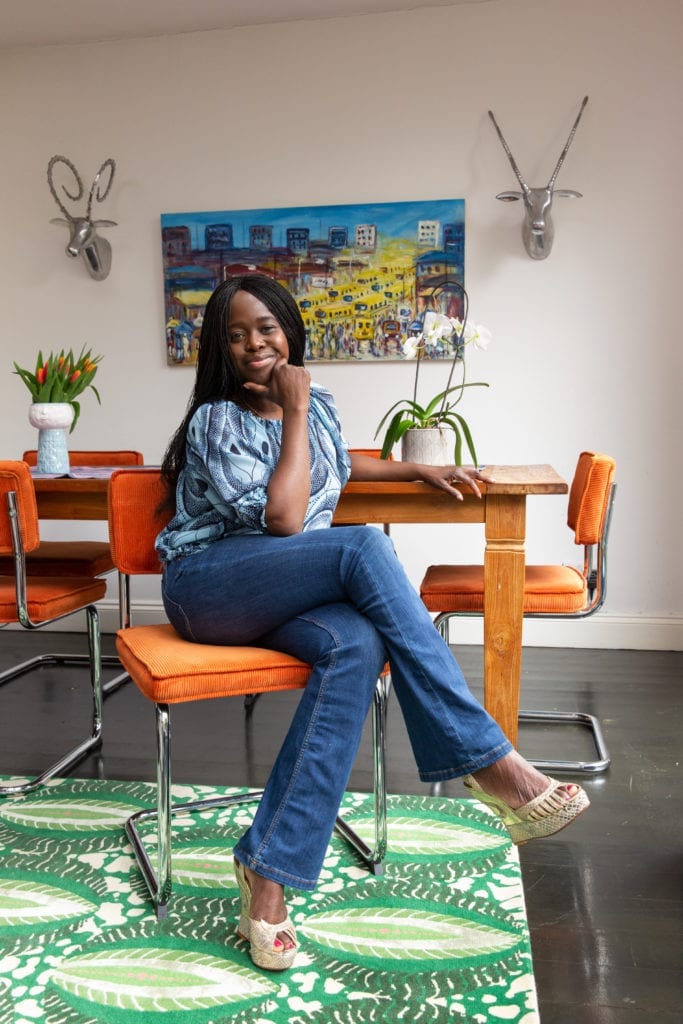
column 603, row 898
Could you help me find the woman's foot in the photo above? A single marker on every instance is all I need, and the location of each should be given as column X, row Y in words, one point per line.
column 264, row 921
column 530, row 804
column 514, row 781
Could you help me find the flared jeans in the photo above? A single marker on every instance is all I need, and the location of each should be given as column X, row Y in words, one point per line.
column 340, row 600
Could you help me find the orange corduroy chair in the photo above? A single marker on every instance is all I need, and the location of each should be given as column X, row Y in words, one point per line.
column 169, row 670
column 38, row 600
column 550, row 591
column 75, row 557
column 80, row 558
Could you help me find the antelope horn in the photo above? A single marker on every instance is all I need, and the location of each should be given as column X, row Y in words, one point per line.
column 109, row 164
column 63, row 160
column 567, row 145
column 515, row 168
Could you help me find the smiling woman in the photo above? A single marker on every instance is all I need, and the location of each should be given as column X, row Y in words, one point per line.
column 249, row 559
column 260, row 353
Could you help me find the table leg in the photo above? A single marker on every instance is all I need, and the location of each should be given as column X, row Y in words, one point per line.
column 503, row 607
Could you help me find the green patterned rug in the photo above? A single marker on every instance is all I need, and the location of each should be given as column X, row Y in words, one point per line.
column 441, row 937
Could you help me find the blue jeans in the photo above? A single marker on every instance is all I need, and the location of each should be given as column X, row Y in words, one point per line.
column 340, row 600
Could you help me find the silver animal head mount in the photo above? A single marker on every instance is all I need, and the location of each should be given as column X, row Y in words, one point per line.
column 83, row 238
column 538, row 230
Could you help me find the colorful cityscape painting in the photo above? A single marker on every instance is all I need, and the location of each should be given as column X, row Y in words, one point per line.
column 363, row 275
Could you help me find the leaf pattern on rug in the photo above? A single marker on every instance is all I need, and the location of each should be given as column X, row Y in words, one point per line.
column 440, row 937
column 32, row 904
column 405, row 935
column 204, row 866
column 31, row 823
column 159, row 980
column 425, row 837
column 69, row 815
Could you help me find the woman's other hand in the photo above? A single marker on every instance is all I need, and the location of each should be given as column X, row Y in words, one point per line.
column 447, row 478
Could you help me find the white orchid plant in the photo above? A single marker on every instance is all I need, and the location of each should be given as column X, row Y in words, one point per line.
column 439, row 335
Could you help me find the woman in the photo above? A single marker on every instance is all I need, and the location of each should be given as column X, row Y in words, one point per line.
column 255, row 471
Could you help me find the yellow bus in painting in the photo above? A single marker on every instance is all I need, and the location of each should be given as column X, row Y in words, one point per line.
column 363, row 328
column 334, row 312
column 371, row 303
column 309, row 303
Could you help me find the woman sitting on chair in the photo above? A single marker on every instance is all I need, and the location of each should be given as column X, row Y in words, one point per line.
column 255, row 471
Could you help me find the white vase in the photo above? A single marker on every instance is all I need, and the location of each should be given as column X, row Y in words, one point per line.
column 52, row 419
column 432, row 446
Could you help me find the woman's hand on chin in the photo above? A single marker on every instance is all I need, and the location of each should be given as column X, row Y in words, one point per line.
column 289, row 386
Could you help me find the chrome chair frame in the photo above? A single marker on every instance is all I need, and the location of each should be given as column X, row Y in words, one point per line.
column 107, row 660
column 73, row 756
column 597, row 590
column 159, row 880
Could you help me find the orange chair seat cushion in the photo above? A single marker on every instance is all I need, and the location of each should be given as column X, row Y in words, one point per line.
column 170, row 670
column 49, row 597
column 64, row 558
column 551, row 589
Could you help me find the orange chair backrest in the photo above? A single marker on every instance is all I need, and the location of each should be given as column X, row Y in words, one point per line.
column 15, row 476
column 589, row 496
column 117, row 458
column 134, row 519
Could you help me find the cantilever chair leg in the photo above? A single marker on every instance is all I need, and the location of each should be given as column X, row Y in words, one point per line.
column 601, row 764
column 77, row 753
column 159, row 880
column 106, row 660
column 374, row 858
column 589, row 767
column 113, row 684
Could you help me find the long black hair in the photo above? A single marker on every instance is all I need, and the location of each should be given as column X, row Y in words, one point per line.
column 216, row 377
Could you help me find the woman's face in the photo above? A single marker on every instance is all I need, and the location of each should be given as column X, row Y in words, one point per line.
column 255, row 338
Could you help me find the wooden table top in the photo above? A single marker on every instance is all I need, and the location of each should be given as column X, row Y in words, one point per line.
column 86, row 497
column 527, row 479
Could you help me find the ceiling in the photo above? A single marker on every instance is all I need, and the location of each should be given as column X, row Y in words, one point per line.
column 47, row 22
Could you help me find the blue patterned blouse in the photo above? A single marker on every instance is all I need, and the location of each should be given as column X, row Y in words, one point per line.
column 231, row 455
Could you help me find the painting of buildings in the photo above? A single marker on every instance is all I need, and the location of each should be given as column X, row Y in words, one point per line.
column 363, row 275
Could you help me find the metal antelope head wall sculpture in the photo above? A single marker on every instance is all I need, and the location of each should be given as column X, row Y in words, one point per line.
column 538, row 230
column 83, row 238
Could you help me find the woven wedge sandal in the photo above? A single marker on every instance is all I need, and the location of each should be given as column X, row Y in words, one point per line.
column 261, row 935
column 546, row 814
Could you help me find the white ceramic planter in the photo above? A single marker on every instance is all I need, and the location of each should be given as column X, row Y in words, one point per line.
column 432, row 446
column 52, row 419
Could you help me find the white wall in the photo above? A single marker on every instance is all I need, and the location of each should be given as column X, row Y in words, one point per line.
column 391, row 107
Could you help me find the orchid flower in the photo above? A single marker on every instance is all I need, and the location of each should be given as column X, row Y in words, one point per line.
column 440, row 333
column 412, row 346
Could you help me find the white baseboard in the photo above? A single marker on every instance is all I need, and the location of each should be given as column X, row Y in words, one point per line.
column 602, row 631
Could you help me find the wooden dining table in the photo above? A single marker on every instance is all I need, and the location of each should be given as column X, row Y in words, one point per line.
column 501, row 510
